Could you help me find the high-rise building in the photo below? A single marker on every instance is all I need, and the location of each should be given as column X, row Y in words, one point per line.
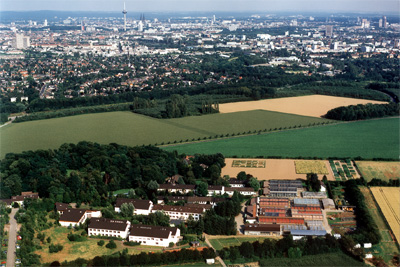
column 140, row 26
column 328, row 30
column 365, row 24
column 380, row 23
column 21, row 41
column 82, row 26
column 124, row 12
column 45, row 24
column 384, row 24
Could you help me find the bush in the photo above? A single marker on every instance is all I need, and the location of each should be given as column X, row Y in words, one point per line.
column 171, row 244
column 111, row 244
column 55, row 248
column 75, row 238
column 131, row 243
column 100, row 243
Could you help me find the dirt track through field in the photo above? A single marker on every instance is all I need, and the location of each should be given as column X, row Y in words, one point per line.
column 313, row 105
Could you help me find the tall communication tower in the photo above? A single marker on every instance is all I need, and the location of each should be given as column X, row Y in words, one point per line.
column 124, row 12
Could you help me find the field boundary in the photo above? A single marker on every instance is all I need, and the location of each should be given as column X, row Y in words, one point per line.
column 383, row 216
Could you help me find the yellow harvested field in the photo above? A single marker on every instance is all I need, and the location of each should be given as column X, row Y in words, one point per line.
column 312, row 105
column 308, row 166
column 388, row 199
column 274, row 169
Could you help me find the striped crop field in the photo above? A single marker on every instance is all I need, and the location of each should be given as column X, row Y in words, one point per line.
column 388, row 199
column 127, row 128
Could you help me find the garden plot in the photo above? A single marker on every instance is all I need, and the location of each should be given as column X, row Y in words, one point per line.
column 274, row 169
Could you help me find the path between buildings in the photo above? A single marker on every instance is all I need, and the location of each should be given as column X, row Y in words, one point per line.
column 12, row 238
column 209, row 244
column 240, row 221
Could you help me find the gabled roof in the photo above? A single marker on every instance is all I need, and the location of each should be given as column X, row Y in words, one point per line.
column 177, row 186
column 108, row 224
column 61, row 206
column 139, row 204
column 72, row 215
column 152, row 231
column 177, row 209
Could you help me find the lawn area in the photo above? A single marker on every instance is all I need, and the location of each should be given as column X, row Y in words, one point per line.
column 127, row 128
column 87, row 249
column 329, row 259
column 387, row 247
column 353, row 139
column 221, row 242
column 379, row 169
column 121, row 191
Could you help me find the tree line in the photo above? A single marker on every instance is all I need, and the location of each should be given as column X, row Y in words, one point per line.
column 125, row 259
column 363, row 112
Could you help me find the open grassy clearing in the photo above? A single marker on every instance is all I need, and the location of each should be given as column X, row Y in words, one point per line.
column 274, row 169
column 367, row 139
column 311, row 105
column 87, row 249
column 221, row 242
column 311, row 166
column 379, row 169
column 387, row 247
column 131, row 129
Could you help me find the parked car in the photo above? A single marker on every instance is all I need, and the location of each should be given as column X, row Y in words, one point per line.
column 17, row 261
column 19, row 237
column 18, row 247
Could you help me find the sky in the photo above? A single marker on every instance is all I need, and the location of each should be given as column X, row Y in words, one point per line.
column 330, row 6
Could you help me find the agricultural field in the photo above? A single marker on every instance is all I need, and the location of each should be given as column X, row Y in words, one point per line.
column 87, row 249
column 221, row 242
column 354, row 139
column 379, row 169
column 387, row 247
column 311, row 105
column 343, row 170
column 311, row 166
column 239, row 163
column 388, row 199
column 274, row 169
column 127, row 128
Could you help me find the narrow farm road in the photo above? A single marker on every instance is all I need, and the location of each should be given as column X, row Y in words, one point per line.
column 209, row 244
column 12, row 238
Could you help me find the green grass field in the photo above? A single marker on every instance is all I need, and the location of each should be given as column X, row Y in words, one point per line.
column 131, row 129
column 367, row 139
column 219, row 243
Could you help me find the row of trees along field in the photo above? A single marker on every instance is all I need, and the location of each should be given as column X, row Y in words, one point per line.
column 288, row 248
column 363, row 112
column 165, row 258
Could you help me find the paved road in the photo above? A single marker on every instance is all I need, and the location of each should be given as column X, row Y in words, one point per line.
column 12, row 237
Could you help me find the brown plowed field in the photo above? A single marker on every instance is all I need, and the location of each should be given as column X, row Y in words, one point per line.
column 312, row 105
column 274, row 169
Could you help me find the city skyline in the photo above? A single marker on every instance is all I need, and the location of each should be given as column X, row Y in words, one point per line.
column 358, row 6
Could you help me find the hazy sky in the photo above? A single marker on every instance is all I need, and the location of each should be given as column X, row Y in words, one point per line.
column 376, row 6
